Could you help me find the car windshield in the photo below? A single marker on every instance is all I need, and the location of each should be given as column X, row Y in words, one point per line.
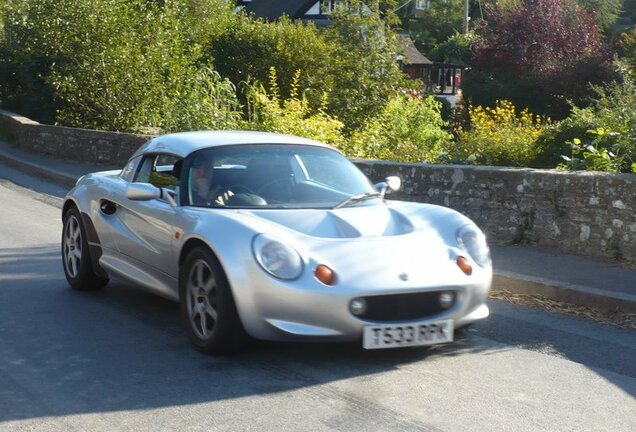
column 275, row 176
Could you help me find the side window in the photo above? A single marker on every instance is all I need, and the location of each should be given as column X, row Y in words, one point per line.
column 129, row 170
column 160, row 171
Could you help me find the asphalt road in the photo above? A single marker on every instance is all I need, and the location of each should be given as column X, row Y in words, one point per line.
column 119, row 360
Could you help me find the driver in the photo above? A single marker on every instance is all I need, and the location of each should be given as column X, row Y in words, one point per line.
column 204, row 190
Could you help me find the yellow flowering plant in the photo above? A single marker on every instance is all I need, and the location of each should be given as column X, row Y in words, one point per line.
column 498, row 136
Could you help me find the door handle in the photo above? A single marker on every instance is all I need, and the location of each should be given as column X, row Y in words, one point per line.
column 107, row 207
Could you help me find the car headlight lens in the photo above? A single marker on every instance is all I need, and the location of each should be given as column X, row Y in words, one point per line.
column 473, row 241
column 277, row 258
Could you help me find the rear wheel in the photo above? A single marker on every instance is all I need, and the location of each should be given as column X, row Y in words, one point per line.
column 76, row 258
column 207, row 306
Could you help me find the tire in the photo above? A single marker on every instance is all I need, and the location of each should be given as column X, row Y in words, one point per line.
column 207, row 306
column 76, row 259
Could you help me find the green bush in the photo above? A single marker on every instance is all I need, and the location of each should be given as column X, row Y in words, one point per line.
column 125, row 66
column 554, row 139
column 456, row 49
column 408, row 129
column 248, row 48
column 602, row 137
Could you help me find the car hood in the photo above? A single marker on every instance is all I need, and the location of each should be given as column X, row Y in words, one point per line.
column 392, row 238
column 372, row 221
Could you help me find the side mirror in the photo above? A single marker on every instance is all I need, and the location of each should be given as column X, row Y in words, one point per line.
column 147, row 192
column 390, row 184
column 394, row 183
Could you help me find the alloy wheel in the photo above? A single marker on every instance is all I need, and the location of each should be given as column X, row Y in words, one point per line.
column 201, row 299
column 72, row 247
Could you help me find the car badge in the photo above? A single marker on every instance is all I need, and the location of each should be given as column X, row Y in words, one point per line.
column 404, row 277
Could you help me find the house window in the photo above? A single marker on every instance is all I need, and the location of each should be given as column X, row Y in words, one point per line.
column 328, row 6
column 422, row 4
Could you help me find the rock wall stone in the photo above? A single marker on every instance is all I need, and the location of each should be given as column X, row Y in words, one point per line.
column 81, row 145
column 586, row 213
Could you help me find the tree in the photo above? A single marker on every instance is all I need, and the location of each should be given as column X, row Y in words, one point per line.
column 628, row 48
column 248, row 48
column 114, row 65
column 365, row 72
column 605, row 12
column 535, row 54
column 438, row 23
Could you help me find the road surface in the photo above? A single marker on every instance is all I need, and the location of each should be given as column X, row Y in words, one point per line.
column 119, row 360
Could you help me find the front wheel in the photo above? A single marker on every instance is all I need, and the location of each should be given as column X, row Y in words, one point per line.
column 76, row 258
column 207, row 306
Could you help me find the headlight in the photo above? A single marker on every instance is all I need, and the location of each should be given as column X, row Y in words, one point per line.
column 277, row 258
column 473, row 241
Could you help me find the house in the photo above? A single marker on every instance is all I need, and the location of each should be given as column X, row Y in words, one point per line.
column 316, row 11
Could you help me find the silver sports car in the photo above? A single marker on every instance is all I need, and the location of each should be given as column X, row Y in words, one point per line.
column 275, row 237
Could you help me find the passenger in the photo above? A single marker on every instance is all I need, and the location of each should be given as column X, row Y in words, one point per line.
column 204, row 190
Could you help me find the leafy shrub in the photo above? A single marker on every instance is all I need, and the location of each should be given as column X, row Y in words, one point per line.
column 248, row 48
column 408, row 129
column 498, row 136
column 605, row 12
column 268, row 111
column 604, row 135
column 456, row 49
column 603, row 153
column 115, row 65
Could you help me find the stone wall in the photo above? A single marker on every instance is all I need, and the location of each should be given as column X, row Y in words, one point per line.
column 82, row 145
column 585, row 213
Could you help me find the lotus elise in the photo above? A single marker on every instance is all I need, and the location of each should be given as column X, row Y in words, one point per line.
column 275, row 237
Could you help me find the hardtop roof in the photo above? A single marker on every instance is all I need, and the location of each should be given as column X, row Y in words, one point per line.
column 183, row 143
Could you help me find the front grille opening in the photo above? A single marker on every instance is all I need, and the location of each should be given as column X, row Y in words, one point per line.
column 404, row 307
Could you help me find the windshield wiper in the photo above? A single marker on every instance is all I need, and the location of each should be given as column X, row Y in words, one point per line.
column 356, row 199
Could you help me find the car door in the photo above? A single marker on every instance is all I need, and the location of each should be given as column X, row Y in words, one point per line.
column 146, row 228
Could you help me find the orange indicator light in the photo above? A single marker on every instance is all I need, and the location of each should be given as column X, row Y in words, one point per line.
column 325, row 275
column 464, row 265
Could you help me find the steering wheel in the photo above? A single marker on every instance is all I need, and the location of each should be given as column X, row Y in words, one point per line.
column 236, row 189
column 283, row 182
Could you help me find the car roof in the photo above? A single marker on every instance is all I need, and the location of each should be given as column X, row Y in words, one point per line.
column 183, row 143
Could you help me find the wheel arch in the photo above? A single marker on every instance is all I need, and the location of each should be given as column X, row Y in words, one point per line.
column 92, row 237
column 193, row 243
column 68, row 204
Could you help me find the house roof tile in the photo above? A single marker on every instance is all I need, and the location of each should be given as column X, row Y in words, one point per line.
column 275, row 9
column 411, row 53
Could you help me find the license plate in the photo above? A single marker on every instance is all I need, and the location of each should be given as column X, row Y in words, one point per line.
column 410, row 334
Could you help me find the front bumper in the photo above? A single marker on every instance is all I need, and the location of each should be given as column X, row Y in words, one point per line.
column 307, row 310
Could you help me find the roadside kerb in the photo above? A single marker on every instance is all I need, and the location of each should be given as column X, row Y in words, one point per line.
column 58, row 177
column 564, row 292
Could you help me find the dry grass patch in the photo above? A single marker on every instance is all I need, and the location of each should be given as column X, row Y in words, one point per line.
column 617, row 318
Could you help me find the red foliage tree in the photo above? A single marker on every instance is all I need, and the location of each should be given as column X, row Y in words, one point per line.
column 552, row 47
column 539, row 39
